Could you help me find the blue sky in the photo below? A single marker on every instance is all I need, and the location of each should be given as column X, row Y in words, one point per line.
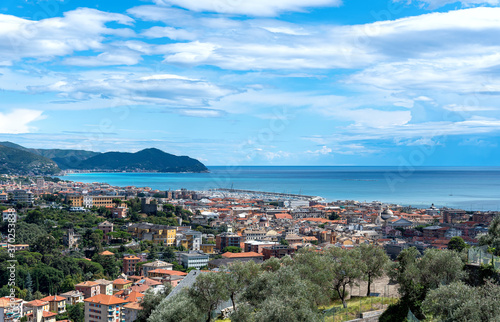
column 233, row 82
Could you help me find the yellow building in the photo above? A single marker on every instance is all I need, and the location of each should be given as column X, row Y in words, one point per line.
column 57, row 304
column 106, row 201
column 208, row 248
column 75, row 200
column 120, row 285
column 155, row 233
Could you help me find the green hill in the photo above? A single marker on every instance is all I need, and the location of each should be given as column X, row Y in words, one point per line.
column 19, row 161
column 25, row 160
column 147, row 160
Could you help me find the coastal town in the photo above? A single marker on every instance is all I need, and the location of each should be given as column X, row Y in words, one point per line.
column 148, row 239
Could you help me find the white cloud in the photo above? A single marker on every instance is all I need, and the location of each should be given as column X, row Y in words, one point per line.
column 18, row 121
column 434, row 4
column 463, row 108
column 168, row 32
column 323, row 151
column 136, row 89
column 120, row 57
column 79, row 30
column 250, row 8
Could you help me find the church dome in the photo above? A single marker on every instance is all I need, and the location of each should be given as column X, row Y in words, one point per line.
column 263, row 219
column 386, row 214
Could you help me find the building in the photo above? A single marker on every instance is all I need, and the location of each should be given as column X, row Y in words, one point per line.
column 71, row 239
column 194, row 259
column 293, row 239
column 74, row 200
column 88, row 288
column 453, row 232
column 11, row 309
column 227, row 239
column 277, row 251
column 129, row 263
column 254, row 234
column 73, row 297
column 242, row 255
column 208, row 248
column 40, row 312
column 25, row 196
column 119, row 212
column 434, row 232
column 106, row 228
column 4, row 197
column 155, row 233
column 121, row 284
column 155, row 265
column 103, row 307
column 131, row 310
column 106, row 287
column 257, row 246
column 165, row 274
column 189, row 239
column 57, row 304
column 453, row 216
column 9, row 214
column 105, row 201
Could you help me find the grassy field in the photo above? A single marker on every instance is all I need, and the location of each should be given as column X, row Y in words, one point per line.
column 354, row 307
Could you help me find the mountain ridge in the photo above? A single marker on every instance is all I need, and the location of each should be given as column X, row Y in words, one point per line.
column 149, row 159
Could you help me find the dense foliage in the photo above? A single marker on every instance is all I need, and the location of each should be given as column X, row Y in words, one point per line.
column 277, row 290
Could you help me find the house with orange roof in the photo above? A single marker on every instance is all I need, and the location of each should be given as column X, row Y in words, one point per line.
column 57, row 304
column 10, row 308
column 131, row 310
column 40, row 312
column 242, row 255
column 129, row 263
column 88, row 288
column 107, row 253
column 164, row 273
column 283, row 216
column 130, row 296
column 104, row 308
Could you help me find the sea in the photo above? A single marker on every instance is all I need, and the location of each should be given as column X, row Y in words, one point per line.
column 469, row 188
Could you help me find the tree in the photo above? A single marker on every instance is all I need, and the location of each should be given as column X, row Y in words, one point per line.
column 28, row 285
column 333, row 216
column 76, row 313
column 44, row 245
column 417, row 276
column 232, row 249
column 345, row 268
column 150, row 301
column 460, row 302
column 35, row 217
column 278, row 296
column 375, row 260
column 208, row 291
column 492, row 238
column 180, row 307
column 313, row 266
column 457, row 244
column 238, row 276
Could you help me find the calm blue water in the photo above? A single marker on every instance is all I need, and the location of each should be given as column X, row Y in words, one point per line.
column 467, row 188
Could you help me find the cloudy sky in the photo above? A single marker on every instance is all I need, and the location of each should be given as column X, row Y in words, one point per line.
column 236, row 82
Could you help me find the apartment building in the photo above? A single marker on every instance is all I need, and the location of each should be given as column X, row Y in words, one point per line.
column 104, row 307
